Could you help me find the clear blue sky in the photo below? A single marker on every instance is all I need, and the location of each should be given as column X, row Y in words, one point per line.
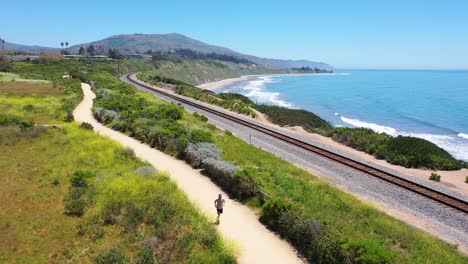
column 346, row 34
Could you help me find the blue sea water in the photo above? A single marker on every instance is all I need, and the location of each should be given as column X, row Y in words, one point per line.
column 428, row 104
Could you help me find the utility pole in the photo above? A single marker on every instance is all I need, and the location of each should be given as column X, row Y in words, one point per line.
column 118, row 66
column 3, row 44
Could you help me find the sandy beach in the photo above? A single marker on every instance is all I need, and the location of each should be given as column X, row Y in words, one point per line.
column 213, row 86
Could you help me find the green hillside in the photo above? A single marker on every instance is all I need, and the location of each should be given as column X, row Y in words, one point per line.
column 196, row 72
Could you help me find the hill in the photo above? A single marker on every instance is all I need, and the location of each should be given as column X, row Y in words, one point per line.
column 139, row 43
column 27, row 49
column 197, row 72
column 157, row 42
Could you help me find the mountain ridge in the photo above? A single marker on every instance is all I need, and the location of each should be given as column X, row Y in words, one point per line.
column 134, row 43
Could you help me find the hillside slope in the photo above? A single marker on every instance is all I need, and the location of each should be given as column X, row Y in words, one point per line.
column 196, row 72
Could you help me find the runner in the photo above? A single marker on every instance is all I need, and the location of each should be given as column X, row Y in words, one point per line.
column 219, row 204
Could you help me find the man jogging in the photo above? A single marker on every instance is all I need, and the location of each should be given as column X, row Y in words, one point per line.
column 219, row 204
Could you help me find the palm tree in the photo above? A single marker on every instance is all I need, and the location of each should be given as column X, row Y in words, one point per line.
column 66, row 44
column 61, row 44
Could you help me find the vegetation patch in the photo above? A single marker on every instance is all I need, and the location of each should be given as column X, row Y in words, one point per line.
column 322, row 222
column 82, row 198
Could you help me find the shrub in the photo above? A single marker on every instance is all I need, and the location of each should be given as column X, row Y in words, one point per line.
column 434, row 177
column 81, row 229
column 198, row 135
column 145, row 256
column 294, row 117
column 79, row 178
column 68, row 117
column 114, row 256
column 307, row 235
column 200, row 117
column 244, row 186
column 145, row 170
column 196, row 153
column 6, row 119
column 55, row 180
column 28, row 108
column 220, row 172
column 272, row 210
column 98, row 233
column 367, row 252
column 86, row 126
column 75, row 207
column 466, row 179
column 46, row 57
column 125, row 153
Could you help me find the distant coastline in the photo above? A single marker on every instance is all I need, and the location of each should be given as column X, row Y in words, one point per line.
column 213, row 86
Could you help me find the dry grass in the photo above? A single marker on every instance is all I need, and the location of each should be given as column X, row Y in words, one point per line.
column 23, row 88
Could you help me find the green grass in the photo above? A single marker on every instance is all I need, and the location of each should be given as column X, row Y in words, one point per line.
column 122, row 208
column 362, row 231
column 11, row 77
column 351, row 218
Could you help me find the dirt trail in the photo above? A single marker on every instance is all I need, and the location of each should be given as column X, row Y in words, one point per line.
column 238, row 223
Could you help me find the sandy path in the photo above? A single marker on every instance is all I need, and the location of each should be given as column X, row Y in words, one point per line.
column 238, row 223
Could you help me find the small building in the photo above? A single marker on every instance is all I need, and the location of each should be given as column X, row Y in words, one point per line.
column 70, row 57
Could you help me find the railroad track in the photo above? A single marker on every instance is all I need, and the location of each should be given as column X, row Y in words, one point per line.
column 435, row 195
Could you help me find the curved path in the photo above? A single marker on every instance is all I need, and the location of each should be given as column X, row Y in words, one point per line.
column 238, row 223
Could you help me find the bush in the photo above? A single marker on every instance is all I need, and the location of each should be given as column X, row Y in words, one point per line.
column 80, row 178
column 196, row 153
column 98, row 233
column 145, row 170
column 55, row 180
column 81, row 229
column 198, row 135
column 434, row 177
column 367, row 252
column 244, row 186
column 294, row 117
column 409, row 152
column 86, row 126
column 466, row 179
column 125, row 153
column 200, row 117
column 220, row 172
column 75, row 207
column 114, row 256
column 145, row 256
column 307, row 235
column 272, row 211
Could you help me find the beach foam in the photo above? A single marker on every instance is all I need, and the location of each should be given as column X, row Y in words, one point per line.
column 454, row 145
column 465, row 136
column 255, row 90
column 377, row 128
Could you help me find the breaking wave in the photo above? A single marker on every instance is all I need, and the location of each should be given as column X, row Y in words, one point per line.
column 255, row 90
column 457, row 146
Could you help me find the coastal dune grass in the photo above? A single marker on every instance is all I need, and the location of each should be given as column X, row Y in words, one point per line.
column 126, row 216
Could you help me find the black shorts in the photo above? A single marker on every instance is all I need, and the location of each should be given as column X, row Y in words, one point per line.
column 220, row 211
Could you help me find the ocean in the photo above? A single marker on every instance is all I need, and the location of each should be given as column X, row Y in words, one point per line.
column 429, row 104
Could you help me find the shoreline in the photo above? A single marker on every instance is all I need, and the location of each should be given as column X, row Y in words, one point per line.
column 454, row 180
column 218, row 85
